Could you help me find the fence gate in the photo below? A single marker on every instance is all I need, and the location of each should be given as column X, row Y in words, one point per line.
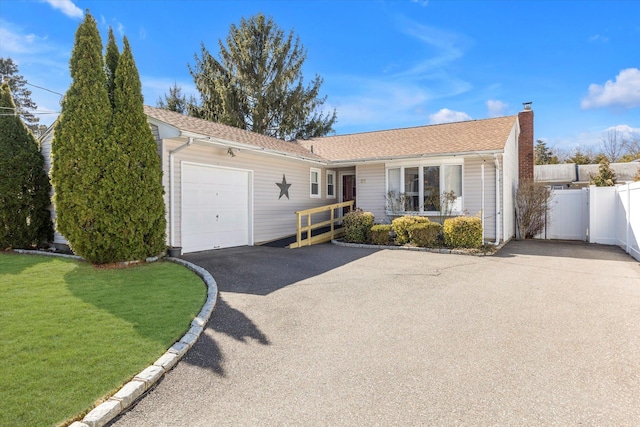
column 568, row 215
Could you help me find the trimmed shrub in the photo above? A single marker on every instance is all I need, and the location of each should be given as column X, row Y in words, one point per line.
column 463, row 232
column 381, row 234
column 357, row 225
column 425, row 234
column 401, row 227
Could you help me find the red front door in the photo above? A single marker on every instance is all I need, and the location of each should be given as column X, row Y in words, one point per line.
column 348, row 190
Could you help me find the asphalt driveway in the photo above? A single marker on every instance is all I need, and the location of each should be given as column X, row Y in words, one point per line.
column 540, row 334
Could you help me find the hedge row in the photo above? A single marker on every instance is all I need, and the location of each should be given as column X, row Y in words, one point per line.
column 459, row 232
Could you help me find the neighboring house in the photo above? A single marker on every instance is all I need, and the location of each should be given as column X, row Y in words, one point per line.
column 228, row 187
column 572, row 176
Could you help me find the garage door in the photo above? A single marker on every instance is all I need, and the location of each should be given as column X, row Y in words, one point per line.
column 215, row 208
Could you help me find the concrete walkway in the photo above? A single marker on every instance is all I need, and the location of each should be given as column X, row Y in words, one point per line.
column 540, row 334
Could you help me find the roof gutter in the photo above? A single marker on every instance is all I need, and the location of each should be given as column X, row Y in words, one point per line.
column 498, row 213
column 249, row 147
column 410, row 156
column 171, row 190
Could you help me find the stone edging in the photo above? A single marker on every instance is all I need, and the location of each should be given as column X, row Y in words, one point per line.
column 415, row 248
column 134, row 389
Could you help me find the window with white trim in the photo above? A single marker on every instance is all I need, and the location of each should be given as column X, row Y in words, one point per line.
column 420, row 188
column 314, row 190
column 331, row 185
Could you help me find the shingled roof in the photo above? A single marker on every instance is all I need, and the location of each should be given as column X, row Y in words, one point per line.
column 448, row 138
column 227, row 133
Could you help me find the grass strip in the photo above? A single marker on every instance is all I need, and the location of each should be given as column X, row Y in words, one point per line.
column 71, row 334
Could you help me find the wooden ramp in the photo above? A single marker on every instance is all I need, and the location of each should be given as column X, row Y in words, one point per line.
column 334, row 230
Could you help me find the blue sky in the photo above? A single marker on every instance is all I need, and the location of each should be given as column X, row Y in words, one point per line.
column 385, row 64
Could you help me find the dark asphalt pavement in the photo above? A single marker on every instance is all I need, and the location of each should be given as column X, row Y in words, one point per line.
column 543, row 333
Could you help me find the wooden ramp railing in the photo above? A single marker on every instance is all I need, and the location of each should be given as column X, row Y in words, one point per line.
column 331, row 223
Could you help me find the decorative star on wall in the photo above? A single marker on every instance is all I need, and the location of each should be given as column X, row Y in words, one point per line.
column 284, row 187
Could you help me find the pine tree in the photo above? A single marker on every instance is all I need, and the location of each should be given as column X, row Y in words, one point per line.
column 25, row 220
column 605, row 177
column 111, row 63
column 544, row 155
column 136, row 208
column 80, row 148
column 257, row 84
column 175, row 101
column 21, row 95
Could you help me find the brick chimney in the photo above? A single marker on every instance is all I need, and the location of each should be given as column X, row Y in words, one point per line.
column 525, row 143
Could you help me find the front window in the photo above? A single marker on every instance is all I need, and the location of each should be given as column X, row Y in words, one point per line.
column 411, row 189
column 331, row 185
column 431, row 193
column 315, row 183
column 424, row 189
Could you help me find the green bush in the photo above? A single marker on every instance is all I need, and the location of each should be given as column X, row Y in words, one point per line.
column 401, row 227
column 380, row 234
column 463, row 232
column 357, row 225
column 425, row 234
column 106, row 172
column 25, row 220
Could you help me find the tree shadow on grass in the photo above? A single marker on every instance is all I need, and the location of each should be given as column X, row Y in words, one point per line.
column 149, row 297
column 206, row 352
column 13, row 263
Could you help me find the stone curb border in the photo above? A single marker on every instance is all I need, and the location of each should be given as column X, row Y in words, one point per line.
column 415, row 248
column 134, row 389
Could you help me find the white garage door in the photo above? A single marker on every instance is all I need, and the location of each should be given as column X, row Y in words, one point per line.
column 215, row 208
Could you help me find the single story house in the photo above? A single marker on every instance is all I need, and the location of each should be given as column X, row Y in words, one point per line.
column 228, row 187
column 573, row 176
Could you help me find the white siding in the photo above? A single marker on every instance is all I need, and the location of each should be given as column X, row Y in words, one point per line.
column 371, row 184
column 273, row 218
column 46, row 141
column 509, row 184
column 473, row 191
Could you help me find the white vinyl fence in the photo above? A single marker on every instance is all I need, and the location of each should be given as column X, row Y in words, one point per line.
column 604, row 215
column 568, row 216
column 615, row 217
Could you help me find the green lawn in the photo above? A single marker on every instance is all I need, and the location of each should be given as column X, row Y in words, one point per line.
column 70, row 334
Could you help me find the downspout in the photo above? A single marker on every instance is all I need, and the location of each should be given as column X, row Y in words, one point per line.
column 497, row 163
column 482, row 202
column 171, row 190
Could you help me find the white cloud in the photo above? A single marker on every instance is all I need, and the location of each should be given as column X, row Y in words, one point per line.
column 399, row 95
column 422, row 3
column 67, row 7
column 496, row 108
column 626, row 131
column 624, row 92
column 591, row 139
column 14, row 41
column 448, row 116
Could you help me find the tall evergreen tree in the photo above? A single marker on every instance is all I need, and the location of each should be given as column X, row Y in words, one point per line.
column 111, row 63
column 257, row 83
column 80, row 148
column 544, row 155
column 21, row 95
column 136, row 208
column 25, row 220
column 175, row 101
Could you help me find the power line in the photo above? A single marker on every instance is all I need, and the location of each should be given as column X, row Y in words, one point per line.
column 44, row 88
